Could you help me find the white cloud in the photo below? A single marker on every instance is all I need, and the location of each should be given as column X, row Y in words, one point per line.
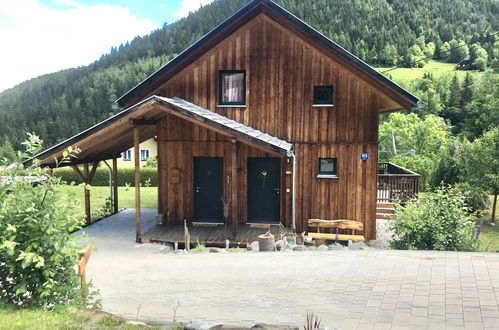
column 36, row 39
column 188, row 6
column 67, row 2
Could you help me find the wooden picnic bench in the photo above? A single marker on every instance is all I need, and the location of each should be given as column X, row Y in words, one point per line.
column 354, row 226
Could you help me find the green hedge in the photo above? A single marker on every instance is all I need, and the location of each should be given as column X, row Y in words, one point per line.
column 101, row 178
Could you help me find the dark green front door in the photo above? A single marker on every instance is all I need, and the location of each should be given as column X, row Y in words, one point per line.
column 208, row 189
column 264, row 183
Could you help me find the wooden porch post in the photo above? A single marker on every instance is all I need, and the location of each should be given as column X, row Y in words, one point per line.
column 86, row 177
column 235, row 179
column 136, row 146
column 88, row 215
column 115, row 184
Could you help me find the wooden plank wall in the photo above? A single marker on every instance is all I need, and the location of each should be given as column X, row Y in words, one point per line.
column 176, row 150
column 282, row 70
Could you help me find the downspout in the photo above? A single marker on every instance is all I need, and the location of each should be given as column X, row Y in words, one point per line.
column 110, row 182
column 293, row 191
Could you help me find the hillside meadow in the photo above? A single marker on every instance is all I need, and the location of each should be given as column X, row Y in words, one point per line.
column 436, row 68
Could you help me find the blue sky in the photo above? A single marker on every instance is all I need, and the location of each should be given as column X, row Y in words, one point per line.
column 159, row 11
column 43, row 36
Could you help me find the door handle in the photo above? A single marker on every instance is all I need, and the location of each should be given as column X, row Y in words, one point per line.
column 198, row 189
column 277, row 190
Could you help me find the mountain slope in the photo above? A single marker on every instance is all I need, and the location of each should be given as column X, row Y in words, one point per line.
column 58, row 105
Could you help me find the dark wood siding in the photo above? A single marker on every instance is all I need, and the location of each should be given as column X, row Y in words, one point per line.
column 281, row 71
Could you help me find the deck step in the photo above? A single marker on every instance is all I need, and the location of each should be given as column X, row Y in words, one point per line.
column 385, row 216
column 385, row 205
column 385, row 210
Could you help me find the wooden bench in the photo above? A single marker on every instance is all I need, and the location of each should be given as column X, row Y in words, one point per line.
column 354, row 226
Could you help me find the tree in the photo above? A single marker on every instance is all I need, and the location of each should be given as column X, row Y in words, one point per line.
column 466, row 91
column 480, row 61
column 429, row 51
column 458, row 50
column 483, row 110
column 445, row 51
column 428, row 137
column 7, row 153
column 389, row 55
column 481, row 164
column 415, row 57
column 426, row 89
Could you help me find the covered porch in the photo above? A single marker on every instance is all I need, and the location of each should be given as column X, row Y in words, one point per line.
column 231, row 141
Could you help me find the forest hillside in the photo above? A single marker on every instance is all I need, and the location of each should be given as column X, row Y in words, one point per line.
column 387, row 33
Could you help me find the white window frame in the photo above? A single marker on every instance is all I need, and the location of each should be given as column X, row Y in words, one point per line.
column 126, row 155
column 143, row 159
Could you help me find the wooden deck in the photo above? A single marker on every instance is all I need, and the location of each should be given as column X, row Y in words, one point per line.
column 210, row 235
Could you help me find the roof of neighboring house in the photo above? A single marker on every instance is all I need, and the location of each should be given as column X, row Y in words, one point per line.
column 238, row 19
column 107, row 139
column 466, row 58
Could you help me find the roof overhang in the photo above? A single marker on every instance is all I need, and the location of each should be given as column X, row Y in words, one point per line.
column 402, row 98
column 109, row 138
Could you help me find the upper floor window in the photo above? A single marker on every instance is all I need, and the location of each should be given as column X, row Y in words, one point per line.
column 127, row 155
column 144, row 154
column 232, row 87
column 323, row 95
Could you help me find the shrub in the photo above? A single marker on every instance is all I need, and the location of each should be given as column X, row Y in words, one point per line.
column 101, row 178
column 37, row 253
column 476, row 198
column 439, row 222
column 151, row 162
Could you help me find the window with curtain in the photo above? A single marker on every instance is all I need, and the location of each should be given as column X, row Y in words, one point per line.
column 144, row 154
column 327, row 168
column 232, row 87
column 127, row 155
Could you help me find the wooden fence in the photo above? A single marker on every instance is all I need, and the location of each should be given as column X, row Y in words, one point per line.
column 396, row 183
column 82, row 267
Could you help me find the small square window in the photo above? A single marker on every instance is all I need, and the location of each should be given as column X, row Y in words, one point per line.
column 327, row 168
column 127, row 155
column 144, row 154
column 323, row 95
column 232, row 87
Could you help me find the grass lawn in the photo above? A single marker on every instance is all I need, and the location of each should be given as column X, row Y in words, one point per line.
column 126, row 197
column 41, row 319
column 406, row 75
column 489, row 237
column 62, row 318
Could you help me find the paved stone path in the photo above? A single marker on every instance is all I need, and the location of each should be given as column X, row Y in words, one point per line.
column 374, row 289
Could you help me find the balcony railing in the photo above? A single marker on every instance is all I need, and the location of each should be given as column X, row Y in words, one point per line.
column 396, row 184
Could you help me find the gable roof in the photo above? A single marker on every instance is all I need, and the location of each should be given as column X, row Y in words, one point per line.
column 238, row 19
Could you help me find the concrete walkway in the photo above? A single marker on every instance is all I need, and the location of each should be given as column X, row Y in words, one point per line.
column 376, row 289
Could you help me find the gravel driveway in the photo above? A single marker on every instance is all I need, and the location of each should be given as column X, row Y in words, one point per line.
column 372, row 289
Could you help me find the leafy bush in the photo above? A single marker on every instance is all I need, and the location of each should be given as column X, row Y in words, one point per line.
column 101, row 178
column 37, row 253
column 476, row 198
column 439, row 222
column 151, row 162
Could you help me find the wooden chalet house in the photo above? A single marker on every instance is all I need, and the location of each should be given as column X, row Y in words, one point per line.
column 262, row 120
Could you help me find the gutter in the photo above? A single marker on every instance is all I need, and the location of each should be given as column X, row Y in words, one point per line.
column 293, row 197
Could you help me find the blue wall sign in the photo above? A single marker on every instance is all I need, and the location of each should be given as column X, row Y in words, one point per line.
column 364, row 156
